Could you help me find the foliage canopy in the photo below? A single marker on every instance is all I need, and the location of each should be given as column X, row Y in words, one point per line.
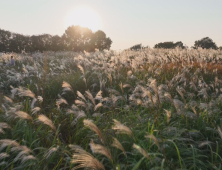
column 169, row 45
column 75, row 38
column 205, row 43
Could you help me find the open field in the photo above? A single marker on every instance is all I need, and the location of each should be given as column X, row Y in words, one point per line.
column 149, row 109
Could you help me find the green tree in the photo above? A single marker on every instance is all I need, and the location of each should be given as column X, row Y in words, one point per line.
column 136, row 47
column 100, row 41
column 13, row 42
column 56, row 43
column 16, row 43
column 76, row 38
column 169, row 45
column 4, row 40
column 179, row 44
column 205, row 43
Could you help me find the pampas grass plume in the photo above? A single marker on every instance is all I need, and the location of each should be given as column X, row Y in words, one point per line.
column 89, row 124
column 47, row 121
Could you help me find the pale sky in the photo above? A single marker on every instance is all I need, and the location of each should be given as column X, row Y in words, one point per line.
column 126, row 22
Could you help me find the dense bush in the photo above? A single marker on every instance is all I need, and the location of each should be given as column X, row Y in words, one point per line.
column 169, row 45
column 205, row 43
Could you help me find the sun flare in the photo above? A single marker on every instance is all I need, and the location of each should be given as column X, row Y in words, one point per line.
column 84, row 17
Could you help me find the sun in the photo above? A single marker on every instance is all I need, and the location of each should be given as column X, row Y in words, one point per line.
column 84, row 17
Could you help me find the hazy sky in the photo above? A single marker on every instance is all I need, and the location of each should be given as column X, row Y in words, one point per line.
column 126, row 22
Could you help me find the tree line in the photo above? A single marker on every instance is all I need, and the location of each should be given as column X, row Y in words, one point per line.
column 75, row 38
column 205, row 43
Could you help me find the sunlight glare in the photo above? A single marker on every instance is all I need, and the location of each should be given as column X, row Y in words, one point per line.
column 84, row 17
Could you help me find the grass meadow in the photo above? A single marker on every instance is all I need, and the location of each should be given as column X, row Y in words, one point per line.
column 151, row 109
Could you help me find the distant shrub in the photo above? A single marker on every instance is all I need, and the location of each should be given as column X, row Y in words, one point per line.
column 138, row 47
column 205, row 43
column 169, row 45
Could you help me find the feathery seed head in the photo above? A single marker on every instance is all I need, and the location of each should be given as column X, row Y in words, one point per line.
column 66, row 86
column 23, row 115
column 98, row 106
column 90, row 97
column 118, row 145
column 121, row 129
column 96, row 148
column 81, row 96
column 47, row 121
column 85, row 159
column 140, row 150
column 25, row 92
column 7, row 99
column 60, row 101
column 89, row 124
column 3, row 155
column 35, row 110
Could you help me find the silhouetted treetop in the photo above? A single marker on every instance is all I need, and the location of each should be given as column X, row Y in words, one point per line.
column 206, row 43
column 100, row 41
column 138, row 47
column 75, row 38
column 169, row 45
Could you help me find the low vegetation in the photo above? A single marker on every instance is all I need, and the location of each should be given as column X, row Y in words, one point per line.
column 147, row 109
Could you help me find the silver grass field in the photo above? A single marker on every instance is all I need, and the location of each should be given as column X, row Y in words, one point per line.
column 152, row 109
